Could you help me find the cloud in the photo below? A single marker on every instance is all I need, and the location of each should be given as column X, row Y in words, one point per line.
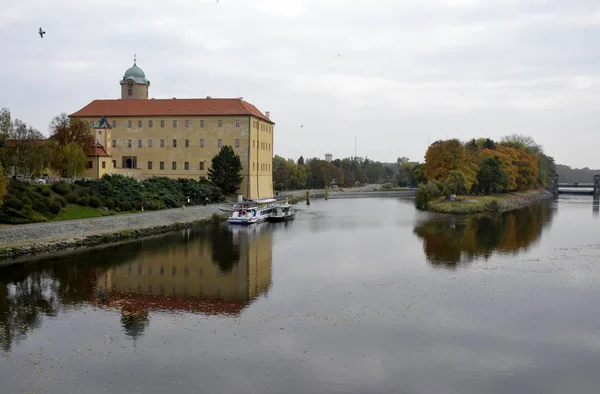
column 404, row 63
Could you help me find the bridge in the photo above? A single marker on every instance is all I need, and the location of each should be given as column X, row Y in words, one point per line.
column 590, row 188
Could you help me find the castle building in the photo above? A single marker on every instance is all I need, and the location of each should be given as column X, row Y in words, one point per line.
column 143, row 137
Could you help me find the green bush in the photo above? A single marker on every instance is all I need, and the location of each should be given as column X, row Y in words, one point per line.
column 46, row 192
column 493, row 206
column 54, row 207
column 83, row 201
column 425, row 193
column 13, row 202
column 110, row 204
column 39, row 189
column 71, row 198
column 95, row 202
column 61, row 188
column 61, row 200
column 124, row 206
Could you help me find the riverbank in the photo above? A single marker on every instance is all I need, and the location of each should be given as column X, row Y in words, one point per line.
column 493, row 203
column 38, row 238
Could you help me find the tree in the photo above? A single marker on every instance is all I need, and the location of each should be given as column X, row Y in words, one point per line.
column 455, row 183
column 2, row 185
column 26, row 151
column 64, row 131
column 6, row 125
column 445, row 156
column 281, row 173
column 301, row 161
column 69, row 160
column 224, row 171
column 492, row 176
column 405, row 173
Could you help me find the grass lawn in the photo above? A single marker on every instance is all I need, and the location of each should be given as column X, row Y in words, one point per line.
column 71, row 212
column 466, row 204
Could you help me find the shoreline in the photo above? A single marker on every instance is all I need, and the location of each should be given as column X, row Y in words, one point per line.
column 48, row 237
column 487, row 204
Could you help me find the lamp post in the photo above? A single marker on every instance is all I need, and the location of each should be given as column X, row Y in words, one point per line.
column 142, row 186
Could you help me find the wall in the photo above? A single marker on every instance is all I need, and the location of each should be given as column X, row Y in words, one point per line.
column 257, row 183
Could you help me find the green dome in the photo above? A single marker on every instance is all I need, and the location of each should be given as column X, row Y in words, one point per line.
column 135, row 74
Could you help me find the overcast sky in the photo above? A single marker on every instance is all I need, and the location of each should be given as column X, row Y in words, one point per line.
column 397, row 73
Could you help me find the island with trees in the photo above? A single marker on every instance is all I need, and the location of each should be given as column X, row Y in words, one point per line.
column 484, row 175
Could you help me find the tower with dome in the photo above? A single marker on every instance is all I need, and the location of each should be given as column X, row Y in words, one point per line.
column 134, row 84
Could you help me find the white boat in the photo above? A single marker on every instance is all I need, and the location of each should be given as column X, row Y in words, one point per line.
column 282, row 212
column 251, row 211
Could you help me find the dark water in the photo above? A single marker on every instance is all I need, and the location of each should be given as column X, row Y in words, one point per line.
column 354, row 296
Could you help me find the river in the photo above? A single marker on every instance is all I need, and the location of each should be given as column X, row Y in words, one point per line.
column 354, row 296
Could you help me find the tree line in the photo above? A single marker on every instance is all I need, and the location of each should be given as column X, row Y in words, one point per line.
column 516, row 163
column 315, row 173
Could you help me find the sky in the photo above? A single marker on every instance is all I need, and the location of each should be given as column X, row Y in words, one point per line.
column 392, row 75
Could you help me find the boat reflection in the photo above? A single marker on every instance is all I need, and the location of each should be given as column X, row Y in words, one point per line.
column 450, row 240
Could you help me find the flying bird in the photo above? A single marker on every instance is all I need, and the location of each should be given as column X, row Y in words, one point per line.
column 41, row 33
column 301, row 126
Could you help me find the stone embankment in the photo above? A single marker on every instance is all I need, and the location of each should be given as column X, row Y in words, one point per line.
column 521, row 201
column 39, row 238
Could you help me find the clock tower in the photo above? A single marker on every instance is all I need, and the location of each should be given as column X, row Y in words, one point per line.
column 134, row 84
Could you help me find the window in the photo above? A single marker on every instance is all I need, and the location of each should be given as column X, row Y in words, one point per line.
column 129, row 123
column 162, row 165
column 237, row 143
column 174, row 143
column 162, row 123
column 129, row 143
column 186, row 165
column 253, row 144
column 202, row 123
column 90, row 164
column 174, row 165
column 201, row 166
column 187, row 123
column 129, row 91
column 187, row 143
column 114, row 144
column 103, row 164
column 150, row 123
column 139, row 123
column 237, row 123
column 219, row 142
column 162, row 143
column 202, row 143
column 114, row 124
column 139, row 143
column 149, row 165
column 175, row 123
column 253, row 166
column 150, row 143
column 220, row 123
column 114, row 164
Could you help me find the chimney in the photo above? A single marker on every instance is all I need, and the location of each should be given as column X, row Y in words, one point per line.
column 268, row 114
column 208, row 97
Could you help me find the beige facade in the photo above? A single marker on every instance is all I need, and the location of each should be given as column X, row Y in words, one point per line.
column 183, row 147
column 186, row 275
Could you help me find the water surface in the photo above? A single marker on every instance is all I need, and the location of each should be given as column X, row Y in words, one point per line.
column 354, row 296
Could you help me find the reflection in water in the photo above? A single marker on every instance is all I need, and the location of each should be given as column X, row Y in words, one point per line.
column 451, row 240
column 212, row 270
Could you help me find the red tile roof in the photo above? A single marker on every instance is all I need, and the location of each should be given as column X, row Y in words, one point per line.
column 142, row 302
column 170, row 107
column 99, row 151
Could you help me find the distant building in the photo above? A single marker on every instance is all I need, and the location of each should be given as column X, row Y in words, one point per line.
column 328, row 157
column 177, row 138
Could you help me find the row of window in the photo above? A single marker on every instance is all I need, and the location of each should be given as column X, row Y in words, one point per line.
column 262, row 127
column 140, row 143
column 186, row 123
column 263, row 166
column 263, row 145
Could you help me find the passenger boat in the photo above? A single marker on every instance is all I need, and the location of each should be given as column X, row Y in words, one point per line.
column 251, row 211
column 282, row 212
